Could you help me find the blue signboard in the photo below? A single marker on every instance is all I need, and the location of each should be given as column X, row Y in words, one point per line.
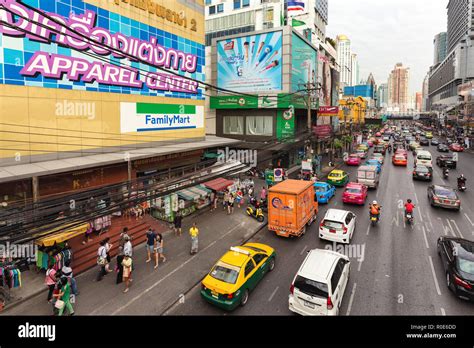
column 250, row 63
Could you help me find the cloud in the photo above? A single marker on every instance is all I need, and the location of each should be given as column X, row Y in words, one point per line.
column 385, row 32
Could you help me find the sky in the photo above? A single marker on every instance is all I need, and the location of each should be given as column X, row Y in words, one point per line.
column 385, row 32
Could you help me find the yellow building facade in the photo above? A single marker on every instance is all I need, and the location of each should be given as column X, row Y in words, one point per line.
column 64, row 96
column 353, row 109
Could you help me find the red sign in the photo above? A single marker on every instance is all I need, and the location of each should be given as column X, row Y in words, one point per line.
column 328, row 111
column 322, row 131
column 229, row 46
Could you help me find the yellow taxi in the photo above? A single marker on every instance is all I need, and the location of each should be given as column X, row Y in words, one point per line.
column 364, row 147
column 338, row 178
column 236, row 274
column 429, row 135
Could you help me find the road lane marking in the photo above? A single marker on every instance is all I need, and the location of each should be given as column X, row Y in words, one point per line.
column 302, row 251
column 467, row 217
column 171, row 273
column 434, row 276
column 451, row 228
column 421, row 216
column 351, row 299
column 426, row 239
column 457, row 228
column 430, row 218
column 273, row 293
column 360, row 265
column 395, row 219
column 443, row 312
column 368, row 229
column 416, row 197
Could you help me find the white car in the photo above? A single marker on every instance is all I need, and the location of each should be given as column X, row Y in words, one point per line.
column 337, row 226
column 319, row 284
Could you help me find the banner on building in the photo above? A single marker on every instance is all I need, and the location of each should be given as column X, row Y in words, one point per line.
column 328, row 111
column 144, row 117
column 304, row 60
column 322, row 131
column 250, row 63
column 285, row 125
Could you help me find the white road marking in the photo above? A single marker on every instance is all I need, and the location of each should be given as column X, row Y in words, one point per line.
column 434, row 276
column 421, row 216
column 349, row 307
column 416, row 197
column 360, row 265
column 467, row 217
column 302, row 251
column 171, row 273
column 451, row 228
column 368, row 229
column 461, row 208
column 426, row 239
column 457, row 228
column 273, row 293
column 443, row 312
column 395, row 219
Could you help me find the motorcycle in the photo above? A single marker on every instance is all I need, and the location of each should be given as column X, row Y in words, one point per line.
column 374, row 219
column 446, row 173
column 461, row 186
column 256, row 213
column 409, row 218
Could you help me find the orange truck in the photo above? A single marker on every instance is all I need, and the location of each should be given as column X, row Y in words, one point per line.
column 292, row 206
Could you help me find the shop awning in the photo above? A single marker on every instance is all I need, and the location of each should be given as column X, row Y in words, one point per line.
column 202, row 192
column 219, row 184
column 188, row 194
column 62, row 233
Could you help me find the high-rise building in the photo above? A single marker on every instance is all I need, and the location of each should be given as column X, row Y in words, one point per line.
column 424, row 93
column 440, row 48
column 344, row 60
column 354, row 69
column 418, row 101
column 398, row 88
column 460, row 21
column 382, row 95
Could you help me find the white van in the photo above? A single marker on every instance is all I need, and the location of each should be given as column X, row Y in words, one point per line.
column 319, row 284
column 368, row 176
column 424, row 158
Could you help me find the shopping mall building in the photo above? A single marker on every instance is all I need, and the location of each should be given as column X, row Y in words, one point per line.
column 76, row 114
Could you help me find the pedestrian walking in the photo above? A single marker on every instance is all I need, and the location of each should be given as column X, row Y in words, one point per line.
column 127, row 247
column 230, row 206
column 178, row 220
column 150, row 243
column 66, row 271
column 226, row 199
column 263, row 194
column 239, row 198
column 119, row 268
column 108, row 248
column 101, row 261
column 214, row 202
column 194, row 233
column 127, row 271
column 64, row 298
column 122, row 239
column 251, row 191
column 159, row 249
column 50, row 281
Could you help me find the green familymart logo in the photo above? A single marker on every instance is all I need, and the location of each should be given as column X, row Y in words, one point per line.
column 149, row 117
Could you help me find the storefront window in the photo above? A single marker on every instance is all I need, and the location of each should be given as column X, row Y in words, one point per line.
column 233, row 125
column 260, row 125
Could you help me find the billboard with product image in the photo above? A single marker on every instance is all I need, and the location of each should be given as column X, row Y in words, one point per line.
column 251, row 63
column 304, row 60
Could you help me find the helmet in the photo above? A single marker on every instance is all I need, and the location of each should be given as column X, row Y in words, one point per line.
column 409, row 200
column 462, row 175
column 374, row 202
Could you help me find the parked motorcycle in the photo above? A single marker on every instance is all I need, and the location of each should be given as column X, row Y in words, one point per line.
column 256, row 213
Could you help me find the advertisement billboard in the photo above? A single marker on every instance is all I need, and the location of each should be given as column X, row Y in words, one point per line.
column 64, row 57
column 334, row 87
column 304, row 60
column 250, row 63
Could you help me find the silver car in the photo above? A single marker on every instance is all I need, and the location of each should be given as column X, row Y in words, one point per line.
column 444, row 197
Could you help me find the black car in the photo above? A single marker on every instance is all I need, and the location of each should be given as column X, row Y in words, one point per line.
column 434, row 142
column 443, row 148
column 444, row 197
column 424, row 142
column 446, row 161
column 457, row 256
column 423, row 173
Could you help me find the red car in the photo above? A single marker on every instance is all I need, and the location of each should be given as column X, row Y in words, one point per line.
column 402, row 152
column 456, row 148
column 355, row 193
column 353, row 160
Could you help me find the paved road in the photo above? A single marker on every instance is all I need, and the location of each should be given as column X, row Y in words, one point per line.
column 400, row 272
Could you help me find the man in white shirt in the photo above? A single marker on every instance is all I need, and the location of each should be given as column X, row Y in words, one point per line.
column 127, row 247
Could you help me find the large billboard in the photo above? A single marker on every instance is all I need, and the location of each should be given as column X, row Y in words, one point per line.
column 304, row 60
column 132, row 57
column 335, row 87
column 250, row 63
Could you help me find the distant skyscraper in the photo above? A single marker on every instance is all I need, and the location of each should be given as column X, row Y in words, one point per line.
column 440, row 48
column 424, row 105
column 344, row 60
column 382, row 101
column 460, row 21
column 371, row 80
column 418, row 101
column 398, row 88
column 354, row 69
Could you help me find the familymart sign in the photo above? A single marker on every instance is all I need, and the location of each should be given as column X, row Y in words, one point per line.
column 147, row 117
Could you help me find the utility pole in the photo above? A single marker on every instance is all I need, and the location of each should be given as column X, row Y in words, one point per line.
column 308, row 87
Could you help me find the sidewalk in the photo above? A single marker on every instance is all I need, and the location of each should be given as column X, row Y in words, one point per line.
column 153, row 291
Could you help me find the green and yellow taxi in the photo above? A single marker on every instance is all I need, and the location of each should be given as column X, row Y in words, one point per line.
column 429, row 135
column 363, row 146
column 236, row 274
column 338, row 178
